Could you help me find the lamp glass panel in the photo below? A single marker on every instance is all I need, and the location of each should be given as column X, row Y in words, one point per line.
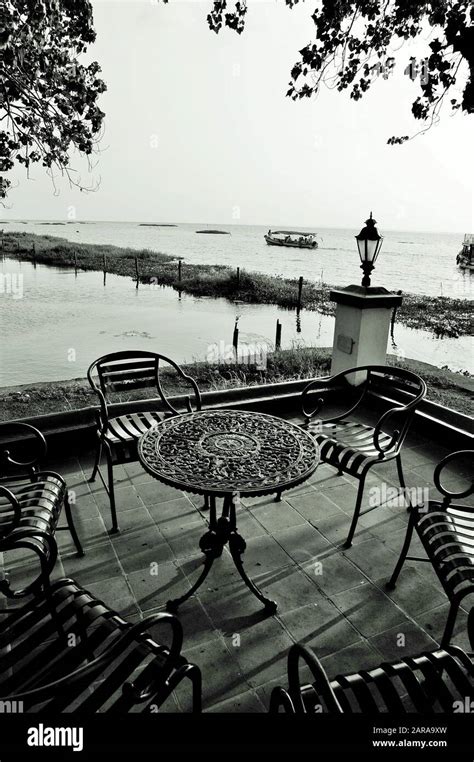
column 361, row 245
column 379, row 246
column 372, row 248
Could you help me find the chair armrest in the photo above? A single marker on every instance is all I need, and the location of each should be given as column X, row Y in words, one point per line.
column 142, row 687
column 378, row 431
column 329, row 384
column 187, row 378
column 27, row 537
column 102, row 411
column 5, row 531
column 321, row 684
column 129, row 633
column 449, row 494
column 399, row 434
column 197, row 394
column 42, row 449
column 279, row 697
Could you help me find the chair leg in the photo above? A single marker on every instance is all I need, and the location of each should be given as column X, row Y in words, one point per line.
column 50, row 601
column 403, row 553
column 110, row 474
column 98, row 456
column 450, row 622
column 355, row 518
column 278, row 497
column 401, row 478
column 72, row 528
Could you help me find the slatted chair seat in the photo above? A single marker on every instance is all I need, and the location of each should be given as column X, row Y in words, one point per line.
column 446, row 532
column 72, row 653
column 354, row 447
column 124, row 432
column 31, row 504
column 125, row 372
column 433, row 682
column 448, row 538
column 40, row 501
column 348, row 445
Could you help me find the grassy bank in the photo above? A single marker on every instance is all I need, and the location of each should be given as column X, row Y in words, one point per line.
column 442, row 316
column 450, row 389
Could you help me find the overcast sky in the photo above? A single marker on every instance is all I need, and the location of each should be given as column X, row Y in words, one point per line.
column 198, row 129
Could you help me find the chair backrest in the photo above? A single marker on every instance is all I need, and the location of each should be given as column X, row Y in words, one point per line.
column 398, row 390
column 22, row 446
column 435, row 681
column 128, row 371
column 459, row 494
column 115, row 666
column 402, row 390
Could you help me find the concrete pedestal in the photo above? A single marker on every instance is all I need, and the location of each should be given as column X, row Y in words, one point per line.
column 362, row 325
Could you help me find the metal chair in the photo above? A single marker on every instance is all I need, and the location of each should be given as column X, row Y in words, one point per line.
column 446, row 531
column 100, row 662
column 440, row 681
column 118, row 437
column 30, row 503
column 354, row 447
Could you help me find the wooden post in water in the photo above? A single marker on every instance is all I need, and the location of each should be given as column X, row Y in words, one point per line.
column 137, row 272
column 278, row 336
column 238, row 278
column 33, row 249
column 235, row 339
column 105, row 268
column 300, row 290
column 75, row 263
column 179, row 270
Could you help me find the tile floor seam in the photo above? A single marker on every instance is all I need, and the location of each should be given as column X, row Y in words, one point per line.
column 408, row 616
column 236, row 697
column 371, row 582
column 329, row 600
column 234, row 659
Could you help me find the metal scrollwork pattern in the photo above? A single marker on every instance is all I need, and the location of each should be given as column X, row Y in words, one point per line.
column 217, row 452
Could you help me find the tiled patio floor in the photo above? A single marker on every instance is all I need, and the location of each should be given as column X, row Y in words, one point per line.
column 332, row 599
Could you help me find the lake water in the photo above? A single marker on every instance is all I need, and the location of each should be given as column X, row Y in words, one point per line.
column 421, row 263
column 54, row 324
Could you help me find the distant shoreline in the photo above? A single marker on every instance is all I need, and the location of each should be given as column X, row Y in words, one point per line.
column 442, row 316
column 263, row 225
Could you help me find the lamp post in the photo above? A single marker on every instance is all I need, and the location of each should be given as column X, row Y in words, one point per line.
column 369, row 243
column 362, row 313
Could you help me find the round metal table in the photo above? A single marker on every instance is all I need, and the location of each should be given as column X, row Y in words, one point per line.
column 228, row 454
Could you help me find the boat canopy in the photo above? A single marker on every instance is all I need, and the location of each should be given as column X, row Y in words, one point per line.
column 290, row 232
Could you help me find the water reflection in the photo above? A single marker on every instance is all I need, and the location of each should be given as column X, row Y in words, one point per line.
column 63, row 309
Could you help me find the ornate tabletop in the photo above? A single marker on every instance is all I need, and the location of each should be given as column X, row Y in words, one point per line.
column 217, row 452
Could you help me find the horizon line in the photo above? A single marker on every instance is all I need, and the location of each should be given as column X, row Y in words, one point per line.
column 224, row 224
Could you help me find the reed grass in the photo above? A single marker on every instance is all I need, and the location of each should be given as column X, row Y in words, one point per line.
column 442, row 316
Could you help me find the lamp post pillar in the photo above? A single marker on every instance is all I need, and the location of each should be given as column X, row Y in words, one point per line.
column 362, row 326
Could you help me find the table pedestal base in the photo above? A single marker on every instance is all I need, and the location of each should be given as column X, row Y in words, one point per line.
column 221, row 531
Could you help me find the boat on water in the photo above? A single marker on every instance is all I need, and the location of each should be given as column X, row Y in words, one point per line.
column 465, row 258
column 291, row 238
